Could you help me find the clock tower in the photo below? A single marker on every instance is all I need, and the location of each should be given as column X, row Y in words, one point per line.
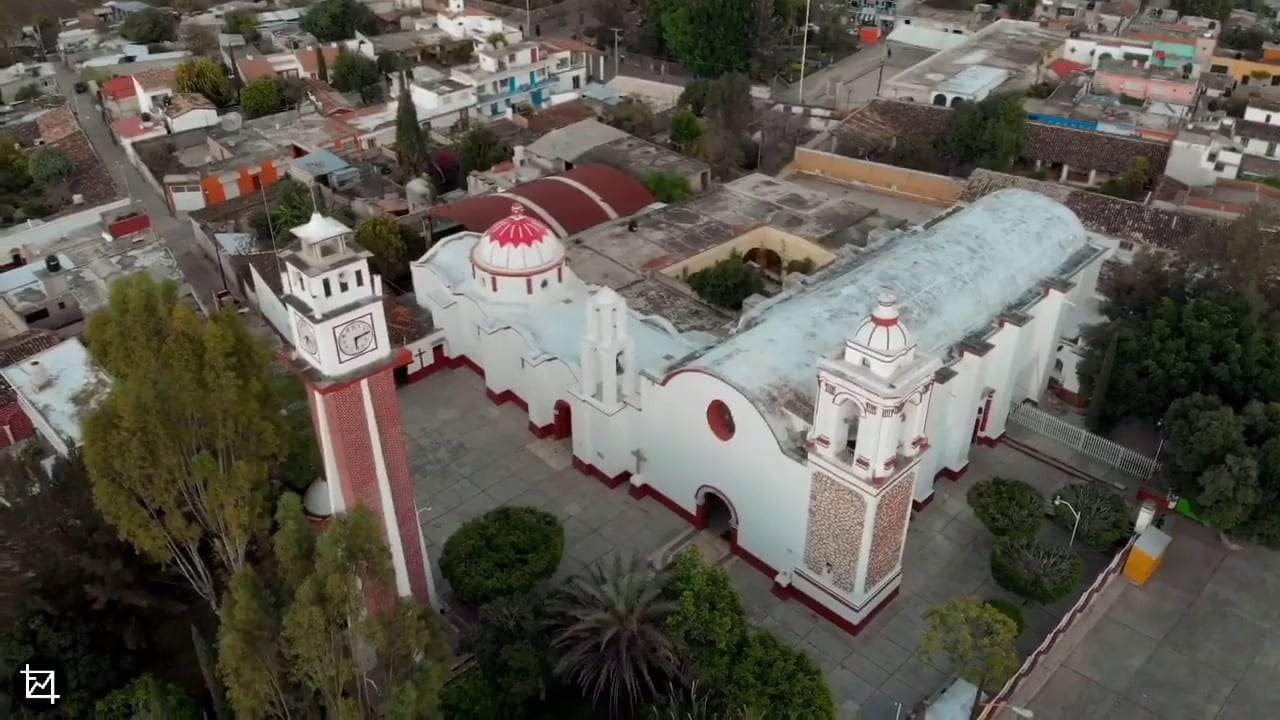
column 343, row 352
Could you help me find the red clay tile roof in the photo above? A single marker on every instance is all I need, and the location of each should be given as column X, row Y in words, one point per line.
column 557, row 116
column 19, row 348
column 1065, row 68
column 306, row 57
column 1102, row 214
column 571, row 45
column 556, row 202
column 131, row 127
column 254, row 67
column 158, row 79
column 118, row 88
column 57, row 124
column 881, row 122
column 90, row 177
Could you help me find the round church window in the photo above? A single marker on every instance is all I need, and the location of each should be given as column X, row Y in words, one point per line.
column 720, row 419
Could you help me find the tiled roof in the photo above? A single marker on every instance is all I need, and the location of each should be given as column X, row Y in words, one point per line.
column 306, row 57
column 19, row 348
column 1102, row 214
column 254, row 67
column 558, row 116
column 157, row 79
column 1255, row 130
column 1259, row 166
column 882, row 121
column 183, row 103
column 118, row 88
column 1065, row 68
column 571, row 45
column 57, row 124
column 90, row 177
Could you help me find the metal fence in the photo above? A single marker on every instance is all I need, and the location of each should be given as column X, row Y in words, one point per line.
column 1095, row 446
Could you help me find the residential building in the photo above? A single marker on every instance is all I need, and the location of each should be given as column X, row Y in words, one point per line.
column 153, row 88
column 526, row 74
column 119, row 97
column 1006, row 53
column 58, row 389
column 442, row 103
column 591, row 141
column 189, row 111
column 115, row 11
column 1162, row 84
column 15, row 426
column 23, row 74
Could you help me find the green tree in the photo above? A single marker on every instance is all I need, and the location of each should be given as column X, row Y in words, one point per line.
column 89, row 673
column 331, row 20
column 152, row 25
column 291, row 206
column 976, row 640
column 513, row 649
column 1105, row 518
column 1036, row 571
column 182, row 451
column 385, row 238
column 685, row 130
column 472, row 696
column 771, row 674
column 261, row 97
column 1007, row 507
column 30, row 91
column 413, row 146
column 251, row 658
column 727, row 283
column 1132, row 183
column 13, row 165
column 205, row 77
column 198, row 39
column 49, row 165
column 631, row 116
column 147, row 698
column 481, row 149
column 244, row 23
column 358, row 74
column 709, row 37
column 989, row 134
column 609, row 634
column 502, row 553
column 668, row 187
column 707, row 623
column 322, row 64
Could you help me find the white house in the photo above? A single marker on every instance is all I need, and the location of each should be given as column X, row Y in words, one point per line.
column 58, row 389
column 153, row 88
column 811, row 429
column 442, row 102
column 189, row 111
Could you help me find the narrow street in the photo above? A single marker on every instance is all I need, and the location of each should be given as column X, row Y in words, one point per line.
column 201, row 274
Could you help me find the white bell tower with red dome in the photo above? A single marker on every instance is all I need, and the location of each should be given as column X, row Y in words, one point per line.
column 868, row 436
column 343, row 353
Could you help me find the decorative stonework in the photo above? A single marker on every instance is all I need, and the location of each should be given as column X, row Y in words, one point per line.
column 890, row 528
column 834, row 538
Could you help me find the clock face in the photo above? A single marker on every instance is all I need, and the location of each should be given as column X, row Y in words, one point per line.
column 355, row 338
column 307, row 338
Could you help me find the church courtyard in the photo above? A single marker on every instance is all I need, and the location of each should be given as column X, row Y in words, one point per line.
column 469, row 456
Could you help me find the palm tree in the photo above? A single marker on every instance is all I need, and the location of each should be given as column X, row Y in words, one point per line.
column 609, row 632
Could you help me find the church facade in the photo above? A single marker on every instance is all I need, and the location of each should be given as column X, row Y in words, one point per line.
column 813, row 427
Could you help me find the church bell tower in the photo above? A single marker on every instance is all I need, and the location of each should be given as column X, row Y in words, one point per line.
column 868, row 437
column 340, row 333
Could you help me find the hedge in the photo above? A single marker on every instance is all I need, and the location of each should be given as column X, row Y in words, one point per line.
column 1007, row 507
column 503, row 553
column 1034, row 570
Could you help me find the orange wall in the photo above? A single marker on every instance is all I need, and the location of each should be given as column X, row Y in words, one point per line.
column 213, row 192
column 883, row 178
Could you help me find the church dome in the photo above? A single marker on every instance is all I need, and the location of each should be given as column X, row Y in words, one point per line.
column 518, row 245
column 882, row 332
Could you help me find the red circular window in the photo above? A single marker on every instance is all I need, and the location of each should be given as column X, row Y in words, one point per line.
column 720, row 419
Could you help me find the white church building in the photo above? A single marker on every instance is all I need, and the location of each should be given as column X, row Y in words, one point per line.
column 820, row 418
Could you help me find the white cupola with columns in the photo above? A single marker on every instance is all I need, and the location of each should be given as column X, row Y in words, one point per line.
column 608, row 352
column 867, row 438
column 334, row 301
column 518, row 259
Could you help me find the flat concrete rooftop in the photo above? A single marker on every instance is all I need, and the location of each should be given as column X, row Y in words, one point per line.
column 1012, row 45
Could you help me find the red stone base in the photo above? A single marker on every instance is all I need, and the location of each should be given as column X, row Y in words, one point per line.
column 919, row 505
column 988, row 441
column 952, row 475
column 827, row 613
column 590, row 470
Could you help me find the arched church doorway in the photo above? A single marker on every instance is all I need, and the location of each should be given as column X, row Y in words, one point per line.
column 715, row 513
column 940, row 100
column 563, row 420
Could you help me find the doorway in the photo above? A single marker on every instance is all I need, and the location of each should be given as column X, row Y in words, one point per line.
column 563, row 420
column 717, row 515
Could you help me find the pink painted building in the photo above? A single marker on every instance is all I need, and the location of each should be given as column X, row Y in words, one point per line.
column 1157, row 84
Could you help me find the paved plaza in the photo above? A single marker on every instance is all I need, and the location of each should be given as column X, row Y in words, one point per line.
column 469, row 456
column 1201, row 641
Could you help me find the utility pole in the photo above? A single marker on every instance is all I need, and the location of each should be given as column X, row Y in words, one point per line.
column 528, row 21
column 617, row 34
column 804, row 51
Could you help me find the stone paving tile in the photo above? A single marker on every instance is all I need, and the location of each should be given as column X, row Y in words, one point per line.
column 1111, row 654
column 1217, row 636
column 1173, row 685
column 872, row 674
column 922, row 677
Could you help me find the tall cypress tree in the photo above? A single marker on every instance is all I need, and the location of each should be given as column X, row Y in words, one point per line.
column 412, row 151
column 322, row 68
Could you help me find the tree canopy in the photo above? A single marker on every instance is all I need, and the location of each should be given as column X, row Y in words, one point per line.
column 49, row 165
column 727, row 283
column 205, row 77
column 182, row 452
column 976, row 640
column 668, row 187
column 387, row 240
column 152, row 25
column 989, row 134
column 331, row 20
column 413, row 147
column 357, row 73
column 481, row 149
column 261, row 97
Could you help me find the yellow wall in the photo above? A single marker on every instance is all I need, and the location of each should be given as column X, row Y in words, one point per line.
column 789, row 247
column 882, row 178
column 1239, row 69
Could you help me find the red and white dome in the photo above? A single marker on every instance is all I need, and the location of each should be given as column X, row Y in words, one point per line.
column 518, row 245
column 883, row 333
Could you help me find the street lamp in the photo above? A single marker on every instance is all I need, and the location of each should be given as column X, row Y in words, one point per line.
column 1059, row 501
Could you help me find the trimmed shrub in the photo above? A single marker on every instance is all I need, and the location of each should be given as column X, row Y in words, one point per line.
column 772, row 674
column 503, row 553
column 709, row 623
column 1034, row 570
column 1009, row 610
column 1105, row 518
column 803, row 266
column 470, row 697
column 1007, row 507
